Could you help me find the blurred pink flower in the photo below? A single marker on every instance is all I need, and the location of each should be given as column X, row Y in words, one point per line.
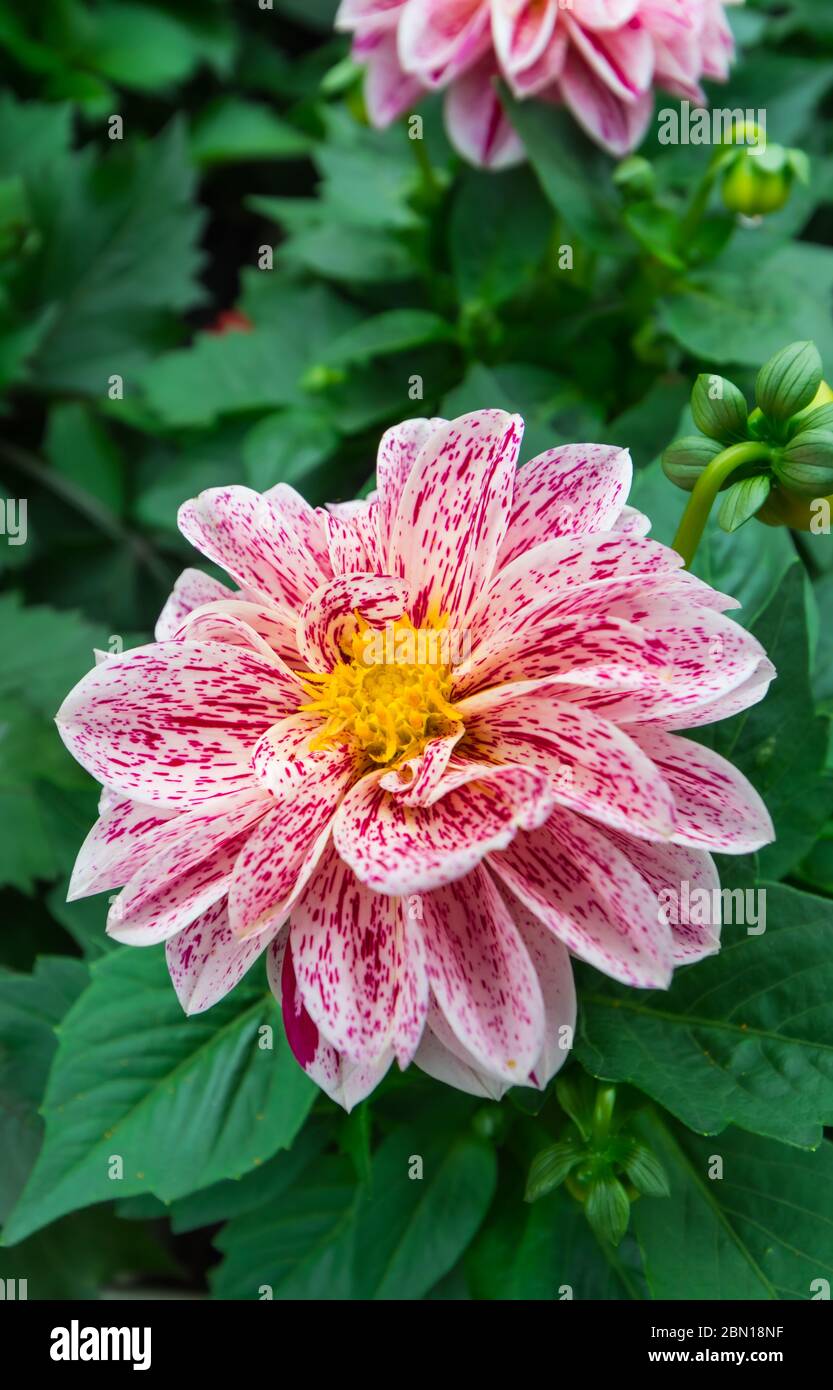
column 424, row 751
column 600, row 58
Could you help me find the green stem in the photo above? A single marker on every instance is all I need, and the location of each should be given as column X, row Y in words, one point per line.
column 430, row 183
column 708, row 485
column 699, row 202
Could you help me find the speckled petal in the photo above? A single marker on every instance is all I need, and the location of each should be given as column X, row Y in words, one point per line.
column 716, row 808
column 453, row 513
column 570, row 491
column 571, row 876
column 395, row 848
column 482, row 977
column 348, row 954
column 174, row 723
column 273, row 542
column 330, row 614
column 191, row 590
column 206, row 960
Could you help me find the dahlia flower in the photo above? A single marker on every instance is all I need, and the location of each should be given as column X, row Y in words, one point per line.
column 601, row 58
column 425, row 750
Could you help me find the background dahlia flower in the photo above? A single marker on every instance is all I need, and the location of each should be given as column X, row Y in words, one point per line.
column 600, row 58
column 425, row 750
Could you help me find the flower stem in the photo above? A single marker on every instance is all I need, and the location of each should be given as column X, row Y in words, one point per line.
column 708, row 485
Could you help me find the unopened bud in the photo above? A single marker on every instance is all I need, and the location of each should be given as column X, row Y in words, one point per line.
column 789, row 381
column 685, row 459
column 719, row 409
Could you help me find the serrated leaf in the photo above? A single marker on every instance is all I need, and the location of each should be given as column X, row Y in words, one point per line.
column 761, row 1230
column 740, row 1038
column 185, row 1102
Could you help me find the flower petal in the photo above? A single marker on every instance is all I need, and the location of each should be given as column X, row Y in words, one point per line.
column 174, row 723
column 591, row 766
column 618, row 126
column 191, row 590
column 571, row 876
column 206, row 960
column 343, row 1081
column 438, row 40
column 482, row 977
column 453, row 513
column 716, row 808
column 278, row 859
column 477, row 124
column 673, row 871
column 397, row 454
column 394, row 848
column 330, row 614
column 569, row 491
column 551, row 960
column 348, row 954
column 272, row 542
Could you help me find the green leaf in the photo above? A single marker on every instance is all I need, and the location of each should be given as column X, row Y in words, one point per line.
column 391, row 1238
column 140, row 46
column 183, row 1101
column 742, row 501
column 31, row 1006
column 761, row 1231
column 644, row 1170
column 79, row 447
column 80, row 1255
column 742, row 1038
column 410, row 1230
column 119, row 257
column 574, row 173
column 499, row 230
column 547, row 1251
column 298, row 1248
column 780, row 743
column 287, row 447
column 231, row 130
column 391, row 332
column 45, row 652
column 744, row 316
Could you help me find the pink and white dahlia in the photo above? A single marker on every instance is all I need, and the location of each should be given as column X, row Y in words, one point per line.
column 600, row 58
column 425, row 750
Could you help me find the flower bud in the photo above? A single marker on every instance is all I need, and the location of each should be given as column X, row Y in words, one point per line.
column 789, row 381
column 805, row 465
column 719, row 409
column 685, row 459
column 799, row 513
column 760, row 180
column 635, row 177
column 821, row 410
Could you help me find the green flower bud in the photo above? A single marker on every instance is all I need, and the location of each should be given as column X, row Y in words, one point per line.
column 759, row 181
column 551, row 1166
column 789, row 381
column 804, row 467
column 817, row 415
column 607, row 1208
column 719, row 409
column 685, row 459
column 784, row 509
column 635, row 177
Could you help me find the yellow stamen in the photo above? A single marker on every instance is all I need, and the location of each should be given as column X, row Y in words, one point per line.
column 389, row 695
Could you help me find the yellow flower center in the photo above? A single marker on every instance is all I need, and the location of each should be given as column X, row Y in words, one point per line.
column 389, row 695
